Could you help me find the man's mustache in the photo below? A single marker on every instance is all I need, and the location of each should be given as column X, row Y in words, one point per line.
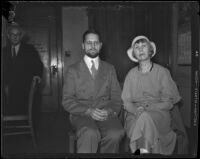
column 92, row 49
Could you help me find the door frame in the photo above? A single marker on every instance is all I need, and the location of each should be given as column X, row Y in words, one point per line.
column 60, row 62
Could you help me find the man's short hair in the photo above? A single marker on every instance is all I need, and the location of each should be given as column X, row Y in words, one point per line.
column 91, row 31
column 14, row 26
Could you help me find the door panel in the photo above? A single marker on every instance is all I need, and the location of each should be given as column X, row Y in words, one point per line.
column 40, row 30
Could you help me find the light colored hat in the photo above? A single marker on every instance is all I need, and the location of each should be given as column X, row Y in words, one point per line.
column 130, row 50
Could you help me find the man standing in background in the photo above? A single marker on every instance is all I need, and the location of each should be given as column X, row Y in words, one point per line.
column 21, row 62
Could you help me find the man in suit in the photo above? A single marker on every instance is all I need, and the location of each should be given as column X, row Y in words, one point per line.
column 91, row 94
column 21, row 62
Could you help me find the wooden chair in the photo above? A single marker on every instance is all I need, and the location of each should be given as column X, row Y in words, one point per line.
column 22, row 124
column 72, row 141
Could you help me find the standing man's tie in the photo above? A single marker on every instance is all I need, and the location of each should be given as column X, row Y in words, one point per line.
column 14, row 52
column 93, row 70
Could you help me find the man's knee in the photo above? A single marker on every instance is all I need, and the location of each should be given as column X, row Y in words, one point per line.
column 93, row 133
column 89, row 133
column 88, row 140
column 115, row 135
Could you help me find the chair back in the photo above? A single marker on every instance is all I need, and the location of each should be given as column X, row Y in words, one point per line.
column 178, row 126
column 33, row 89
column 22, row 124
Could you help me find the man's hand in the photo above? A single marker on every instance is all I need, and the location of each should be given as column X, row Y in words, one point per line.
column 98, row 114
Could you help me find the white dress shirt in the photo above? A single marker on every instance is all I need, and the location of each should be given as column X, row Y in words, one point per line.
column 89, row 60
column 16, row 49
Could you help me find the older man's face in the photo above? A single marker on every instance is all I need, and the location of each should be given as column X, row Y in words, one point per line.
column 15, row 36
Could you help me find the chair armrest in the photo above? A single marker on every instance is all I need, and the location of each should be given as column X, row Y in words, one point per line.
column 72, row 141
column 37, row 79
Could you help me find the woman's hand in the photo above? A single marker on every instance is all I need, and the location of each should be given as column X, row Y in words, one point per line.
column 131, row 108
column 140, row 110
column 136, row 108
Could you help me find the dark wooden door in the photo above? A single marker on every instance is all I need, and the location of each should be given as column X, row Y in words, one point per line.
column 40, row 25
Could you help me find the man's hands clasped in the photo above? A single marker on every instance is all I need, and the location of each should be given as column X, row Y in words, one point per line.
column 98, row 114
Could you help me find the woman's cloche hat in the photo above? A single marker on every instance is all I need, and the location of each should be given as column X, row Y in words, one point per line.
column 130, row 50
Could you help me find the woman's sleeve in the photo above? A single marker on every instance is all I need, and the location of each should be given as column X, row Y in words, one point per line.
column 169, row 90
column 169, row 94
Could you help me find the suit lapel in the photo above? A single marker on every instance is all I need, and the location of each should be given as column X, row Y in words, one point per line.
column 84, row 71
column 100, row 78
column 10, row 52
column 20, row 50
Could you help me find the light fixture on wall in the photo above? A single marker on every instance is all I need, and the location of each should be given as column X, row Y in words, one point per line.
column 12, row 13
column 8, row 11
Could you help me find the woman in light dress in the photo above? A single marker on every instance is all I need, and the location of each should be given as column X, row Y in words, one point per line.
column 149, row 93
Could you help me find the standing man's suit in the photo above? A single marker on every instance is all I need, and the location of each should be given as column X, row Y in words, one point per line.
column 17, row 75
column 80, row 92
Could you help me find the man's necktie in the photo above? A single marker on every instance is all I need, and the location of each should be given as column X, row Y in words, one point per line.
column 93, row 70
column 13, row 52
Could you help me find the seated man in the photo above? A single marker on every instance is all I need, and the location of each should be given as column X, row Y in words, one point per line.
column 92, row 96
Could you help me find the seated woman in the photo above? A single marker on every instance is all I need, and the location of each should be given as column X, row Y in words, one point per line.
column 148, row 95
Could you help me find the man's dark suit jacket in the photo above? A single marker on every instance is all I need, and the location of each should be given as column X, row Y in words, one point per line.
column 17, row 75
column 81, row 91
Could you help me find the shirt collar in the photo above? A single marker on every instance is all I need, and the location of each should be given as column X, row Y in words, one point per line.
column 16, row 47
column 88, row 60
